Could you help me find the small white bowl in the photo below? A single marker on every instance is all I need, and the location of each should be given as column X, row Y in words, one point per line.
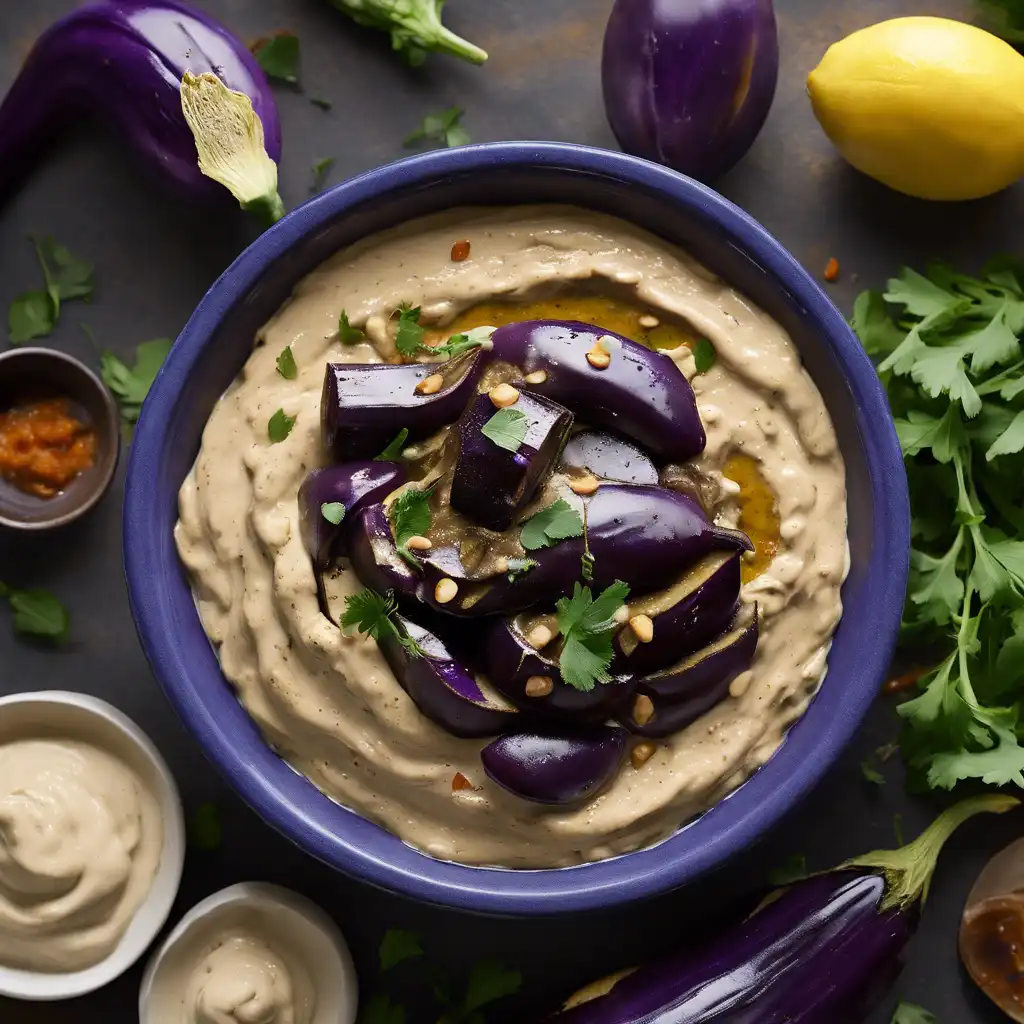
column 77, row 714
column 296, row 922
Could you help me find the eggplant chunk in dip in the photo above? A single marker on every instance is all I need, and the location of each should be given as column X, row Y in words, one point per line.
column 714, row 549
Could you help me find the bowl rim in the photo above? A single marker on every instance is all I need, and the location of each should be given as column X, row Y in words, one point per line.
column 293, row 805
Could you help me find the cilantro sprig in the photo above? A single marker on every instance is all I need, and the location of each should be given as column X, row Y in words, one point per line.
column 34, row 314
column 587, row 625
column 444, row 129
column 953, row 367
column 130, row 385
column 507, row 428
column 373, row 614
column 410, row 516
column 558, row 521
column 36, row 612
column 409, row 334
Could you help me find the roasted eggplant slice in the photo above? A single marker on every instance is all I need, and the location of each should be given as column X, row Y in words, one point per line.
column 609, row 457
column 375, row 558
column 492, row 481
column 555, row 768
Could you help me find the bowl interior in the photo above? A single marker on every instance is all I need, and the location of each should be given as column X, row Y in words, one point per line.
column 216, row 343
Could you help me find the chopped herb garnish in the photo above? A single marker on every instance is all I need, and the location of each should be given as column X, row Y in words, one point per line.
column 348, row 334
column 394, row 449
column 318, row 101
column 507, row 429
column 871, row 774
column 909, row 1013
column 459, row 343
column 321, row 168
column 704, row 355
column 587, row 566
column 441, row 129
column 130, row 386
column 37, row 612
column 548, row 526
column 204, row 828
column 34, row 314
column 792, row 869
column 372, row 614
column 333, row 511
column 29, row 316
column 286, row 364
column 519, row 566
column 587, row 625
column 410, row 516
column 279, row 426
column 278, row 55
column 396, row 946
column 409, row 336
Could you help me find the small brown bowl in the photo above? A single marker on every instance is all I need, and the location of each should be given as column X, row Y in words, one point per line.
column 32, row 374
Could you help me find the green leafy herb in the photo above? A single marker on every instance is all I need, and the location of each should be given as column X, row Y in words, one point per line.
column 204, row 828
column 548, row 526
column 704, row 355
column 323, row 104
column 410, row 517
column 37, row 613
column 518, row 566
column 908, row 1013
column 370, row 613
column 29, row 316
column 459, row 343
column 587, row 625
column 321, row 168
column 507, row 429
column 67, row 277
column 394, row 449
column 130, row 386
column 278, row 55
column 286, row 364
column 409, row 335
column 348, row 334
column 442, row 129
column 333, row 511
column 380, row 1010
column 791, row 870
column 279, row 426
column 871, row 774
column 587, row 566
column 396, row 946
column 489, row 982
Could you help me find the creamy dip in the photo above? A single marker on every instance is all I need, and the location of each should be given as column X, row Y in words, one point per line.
column 330, row 704
column 80, row 843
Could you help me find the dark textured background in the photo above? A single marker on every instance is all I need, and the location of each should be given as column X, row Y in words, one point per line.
column 154, row 259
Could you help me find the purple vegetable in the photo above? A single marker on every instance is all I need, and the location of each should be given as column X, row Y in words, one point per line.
column 375, row 558
column 364, row 405
column 689, row 83
column 824, row 950
column 610, row 458
column 686, row 615
column 641, row 394
column 123, row 62
column 492, row 483
column 691, row 688
column 550, row 768
column 512, row 661
column 442, row 689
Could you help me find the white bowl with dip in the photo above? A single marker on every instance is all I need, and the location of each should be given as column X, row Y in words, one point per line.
column 76, row 768
column 255, row 944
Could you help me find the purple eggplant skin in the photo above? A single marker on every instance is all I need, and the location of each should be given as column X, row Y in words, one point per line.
column 442, row 688
column 609, row 457
column 364, row 405
column 491, row 484
column 691, row 688
column 555, row 768
column 122, row 62
column 689, row 83
column 511, row 661
column 641, row 394
column 375, row 558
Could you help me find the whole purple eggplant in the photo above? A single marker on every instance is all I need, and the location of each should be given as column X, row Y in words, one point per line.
column 823, row 950
column 122, row 62
column 689, row 83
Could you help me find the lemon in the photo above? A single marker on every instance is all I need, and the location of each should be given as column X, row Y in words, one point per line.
column 929, row 106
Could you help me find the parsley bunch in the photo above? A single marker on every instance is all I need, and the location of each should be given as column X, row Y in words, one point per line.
column 953, row 367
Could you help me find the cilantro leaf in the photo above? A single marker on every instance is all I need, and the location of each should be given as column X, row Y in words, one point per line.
column 372, row 614
column 587, row 626
column 286, row 364
column 507, row 428
column 394, row 449
column 489, row 982
column 348, row 334
column 279, row 426
column 67, row 277
column 409, row 335
column 278, row 56
column 558, row 521
column 130, row 386
column 459, row 343
column 908, row 1013
column 380, row 1010
column 333, row 511
column 704, row 355
column 204, row 828
column 518, row 566
column 410, row 516
column 791, row 870
column 396, row 946
column 1010, row 440
column 321, row 168
column 873, row 325
column 37, row 613
column 443, row 128
column 919, row 296
column 30, row 316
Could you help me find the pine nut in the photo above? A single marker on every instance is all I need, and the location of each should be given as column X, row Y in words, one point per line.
column 598, row 358
column 643, row 709
column 537, row 377
column 419, row 543
column 503, row 396
column 445, row 590
column 641, row 754
column 539, row 686
column 501, row 564
column 430, row 385
column 584, row 485
column 648, row 322
column 539, row 636
column 643, row 627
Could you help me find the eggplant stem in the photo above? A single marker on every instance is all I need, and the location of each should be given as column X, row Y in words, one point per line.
column 908, row 870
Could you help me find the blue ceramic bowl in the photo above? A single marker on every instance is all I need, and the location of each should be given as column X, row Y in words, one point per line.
column 216, row 342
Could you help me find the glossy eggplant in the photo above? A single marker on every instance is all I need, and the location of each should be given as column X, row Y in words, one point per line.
column 693, row 686
column 122, row 62
column 686, row 615
column 609, row 458
column 491, row 484
column 444, row 690
column 555, row 768
column 640, row 393
column 364, row 405
column 689, row 83
column 824, row 950
column 375, row 558
column 512, row 662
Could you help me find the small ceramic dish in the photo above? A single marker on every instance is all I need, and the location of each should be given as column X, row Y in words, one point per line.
column 62, row 713
column 305, row 934
column 31, row 374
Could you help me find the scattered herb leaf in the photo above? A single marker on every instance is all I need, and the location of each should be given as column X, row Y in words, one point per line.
column 37, row 612
column 333, row 511
column 489, row 982
column 279, row 426
column 518, row 566
column 278, row 55
column 130, row 386
column 459, row 343
column 886, row 750
column 871, row 774
column 548, row 526
column 318, row 101
column 587, row 625
column 409, row 335
column 372, row 614
column 507, row 428
column 348, row 334
column 909, row 1013
column 398, row 945
column 380, row 1010
column 321, row 168
column 286, row 364
column 791, row 870
column 67, row 277
column 704, row 355
column 29, row 316
column 444, row 128
column 204, row 828
column 394, row 448
column 410, row 516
